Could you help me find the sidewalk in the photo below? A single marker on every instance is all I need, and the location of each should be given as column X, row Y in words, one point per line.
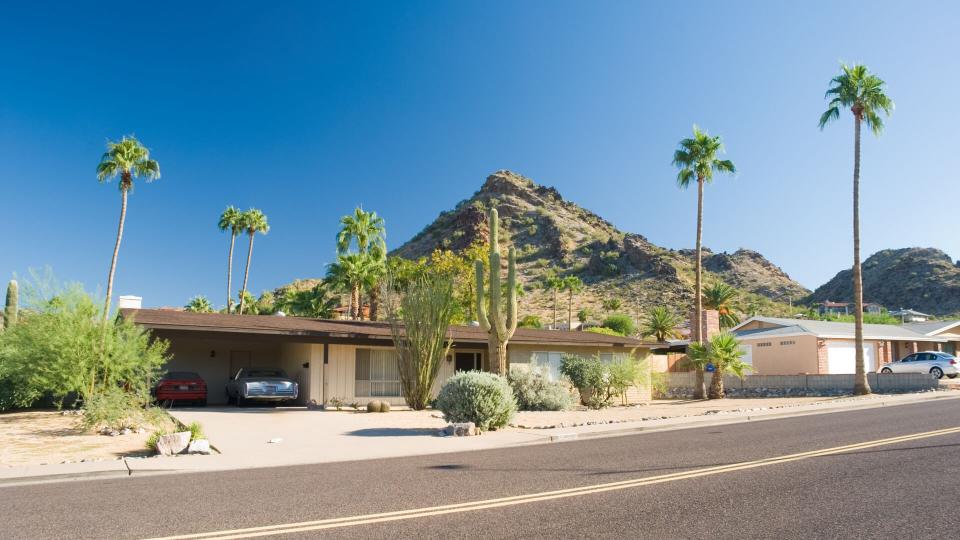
column 307, row 437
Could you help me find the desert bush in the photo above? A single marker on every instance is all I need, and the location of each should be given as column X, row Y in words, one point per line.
column 482, row 398
column 621, row 324
column 603, row 330
column 154, row 438
column 534, row 392
column 61, row 348
column 599, row 382
column 196, row 431
column 531, row 321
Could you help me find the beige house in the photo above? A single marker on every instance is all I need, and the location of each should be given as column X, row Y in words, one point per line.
column 948, row 330
column 353, row 361
column 776, row 346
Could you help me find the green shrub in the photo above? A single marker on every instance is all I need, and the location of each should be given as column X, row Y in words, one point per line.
column 599, row 382
column 196, row 431
column 621, row 324
column 482, row 398
column 604, row 331
column 531, row 321
column 534, row 392
column 116, row 408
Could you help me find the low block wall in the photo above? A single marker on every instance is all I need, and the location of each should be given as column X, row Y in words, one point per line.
column 682, row 384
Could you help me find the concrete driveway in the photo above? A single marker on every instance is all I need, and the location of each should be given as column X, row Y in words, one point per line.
column 243, row 435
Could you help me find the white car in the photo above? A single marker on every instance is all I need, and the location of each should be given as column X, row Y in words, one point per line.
column 935, row 363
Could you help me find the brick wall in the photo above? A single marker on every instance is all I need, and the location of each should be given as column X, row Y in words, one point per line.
column 822, row 365
column 711, row 321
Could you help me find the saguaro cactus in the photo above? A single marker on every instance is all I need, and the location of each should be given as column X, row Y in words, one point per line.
column 13, row 304
column 499, row 322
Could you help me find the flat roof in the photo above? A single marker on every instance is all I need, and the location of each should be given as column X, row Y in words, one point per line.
column 164, row 319
column 829, row 329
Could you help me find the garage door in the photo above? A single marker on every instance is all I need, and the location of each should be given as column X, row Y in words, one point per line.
column 842, row 357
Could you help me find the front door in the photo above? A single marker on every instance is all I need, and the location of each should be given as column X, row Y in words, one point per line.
column 467, row 361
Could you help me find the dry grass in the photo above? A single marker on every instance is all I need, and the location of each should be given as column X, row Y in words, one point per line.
column 45, row 437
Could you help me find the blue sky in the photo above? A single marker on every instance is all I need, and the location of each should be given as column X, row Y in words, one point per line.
column 306, row 110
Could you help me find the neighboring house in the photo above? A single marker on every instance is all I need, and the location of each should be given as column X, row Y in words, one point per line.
column 348, row 360
column 949, row 330
column 910, row 316
column 846, row 308
column 789, row 346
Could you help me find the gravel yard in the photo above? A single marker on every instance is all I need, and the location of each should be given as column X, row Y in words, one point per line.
column 46, row 437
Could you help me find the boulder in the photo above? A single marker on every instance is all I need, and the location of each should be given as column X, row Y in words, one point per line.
column 199, row 446
column 463, row 429
column 168, row 445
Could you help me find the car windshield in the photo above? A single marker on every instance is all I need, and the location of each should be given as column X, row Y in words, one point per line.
column 250, row 373
column 181, row 375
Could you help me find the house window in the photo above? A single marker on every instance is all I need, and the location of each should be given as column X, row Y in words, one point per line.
column 789, row 342
column 548, row 362
column 377, row 374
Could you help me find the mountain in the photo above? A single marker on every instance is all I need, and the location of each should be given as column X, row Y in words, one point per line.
column 924, row 279
column 553, row 234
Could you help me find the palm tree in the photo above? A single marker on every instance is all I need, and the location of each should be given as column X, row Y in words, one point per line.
column 231, row 220
column 129, row 159
column 199, row 304
column 862, row 92
column 698, row 158
column 721, row 297
column 661, row 323
column 555, row 284
column 724, row 352
column 253, row 221
column 571, row 284
column 366, row 229
column 368, row 232
column 354, row 272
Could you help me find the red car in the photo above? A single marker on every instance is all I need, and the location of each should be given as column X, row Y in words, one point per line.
column 181, row 386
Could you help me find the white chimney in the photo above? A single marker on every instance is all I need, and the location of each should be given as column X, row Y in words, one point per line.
column 129, row 302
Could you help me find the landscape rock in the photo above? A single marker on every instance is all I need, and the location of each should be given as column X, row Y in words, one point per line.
column 463, row 429
column 199, row 446
column 174, row 443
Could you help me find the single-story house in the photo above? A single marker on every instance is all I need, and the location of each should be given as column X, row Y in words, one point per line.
column 346, row 359
column 845, row 308
column 910, row 316
column 948, row 330
column 777, row 346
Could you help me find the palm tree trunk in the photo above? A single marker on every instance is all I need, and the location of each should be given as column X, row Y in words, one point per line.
column 555, row 309
column 374, row 298
column 233, row 238
column 860, row 385
column 700, row 389
column 246, row 274
column 716, row 385
column 116, row 247
column 357, row 308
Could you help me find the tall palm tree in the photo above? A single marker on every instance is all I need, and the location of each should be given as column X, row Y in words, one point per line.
column 554, row 284
column 231, row 220
column 368, row 232
column 130, row 160
column 354, row 272
column 316, row 302
column 199, row 304
column 863, row 93
column 698, row 158
column 571, row 284
column 721, row 297
column 253, row 221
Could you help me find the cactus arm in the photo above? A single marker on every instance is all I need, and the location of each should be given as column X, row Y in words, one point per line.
column 481, row 301
column 494, row 222
column 511, row 325
column 497, row 322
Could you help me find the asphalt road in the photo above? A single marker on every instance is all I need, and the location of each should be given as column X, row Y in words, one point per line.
column 695, row 483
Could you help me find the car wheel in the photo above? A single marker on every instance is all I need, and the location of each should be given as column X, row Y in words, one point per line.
column 937, row 373
column 886, row 370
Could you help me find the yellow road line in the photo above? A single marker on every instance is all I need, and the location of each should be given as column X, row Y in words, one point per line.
column 367, row 519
